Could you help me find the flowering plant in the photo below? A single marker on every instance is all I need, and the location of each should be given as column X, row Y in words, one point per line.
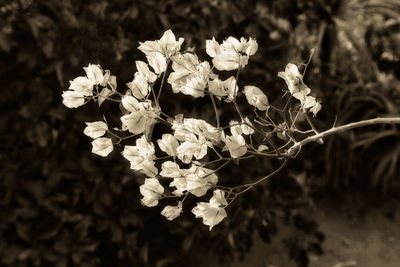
column 180, row 167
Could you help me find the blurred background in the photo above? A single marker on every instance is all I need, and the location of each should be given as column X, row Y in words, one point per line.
column 61, row 205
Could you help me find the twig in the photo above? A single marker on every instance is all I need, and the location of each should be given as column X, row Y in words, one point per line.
column 297, row 146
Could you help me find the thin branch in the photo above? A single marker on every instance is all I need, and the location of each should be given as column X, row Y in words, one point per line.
column 297, row 146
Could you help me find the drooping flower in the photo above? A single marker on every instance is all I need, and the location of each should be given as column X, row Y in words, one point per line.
column 168, row 144
column 213, row 212
column 102, row 146
column 294, row 81
column 232, row 53
column 167, row 45
column 256, row 97
column 152, row 191
column 172, row 212
column 73, row 99
column 95, row 129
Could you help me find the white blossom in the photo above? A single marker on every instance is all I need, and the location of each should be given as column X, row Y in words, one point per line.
column 73, row 99
column 157, row 61
column 192, row 147
column 82, row 85
column 141, row 156
column 152, row 191
column 256, row 97
column 196, row 180
column 170, row 169
column 227, row 88
column 236, row 145
column 172, row 212
column 189, row 76
column 102, row 146
column 167, row 45
column 139, row 86
column 213, row 212
column 294, row 81
column 130, row 103
column 168, row 144
column 232, row 53
column 95, row 129
column 144, row 70
column 241, row 128
column 94, row 74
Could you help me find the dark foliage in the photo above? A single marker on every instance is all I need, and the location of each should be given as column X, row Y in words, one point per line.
column 62, row 206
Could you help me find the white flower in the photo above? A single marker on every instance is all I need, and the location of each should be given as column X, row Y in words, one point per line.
column 172, row 212
column 73, row 99
column 152, row 191
column 294, row 81
column 82, row 85
column 94, row 73
column 141, row 156
column 145, row 71
column 158, row 62
column 218, row 199
column 141, row 120
column 227, row 88
column 102, row 146
column 241, row 128
column 168, row 144
column 167, row 45
column 199, row 180
column 139, row 86
column 196, row 180
column 170, row 169
column 193, row 146
column 213, row 212
column 195, row 126
column 256, row 97
column 236, row 145
column 130, row 103
column 232, row 53
column 311, row 103
column 134, row 122
column 189, row 76
column 95, row 129
column 316, row 108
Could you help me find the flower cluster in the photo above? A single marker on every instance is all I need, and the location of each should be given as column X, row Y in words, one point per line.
column 82, row 87
column 191, row 144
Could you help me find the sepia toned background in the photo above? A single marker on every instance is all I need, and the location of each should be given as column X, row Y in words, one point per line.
column 61, row 205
